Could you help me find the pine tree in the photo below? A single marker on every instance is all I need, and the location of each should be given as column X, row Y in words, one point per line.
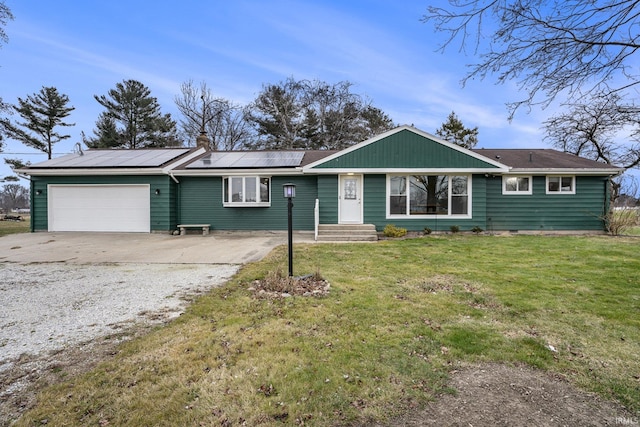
column 106, row 134
column 42, row 112
column 313, row 115
column 132, row 120
column 454, row 131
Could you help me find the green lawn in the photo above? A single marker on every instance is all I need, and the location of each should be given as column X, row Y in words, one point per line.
column 633, row 231
column 13, row 227
column 400, row 315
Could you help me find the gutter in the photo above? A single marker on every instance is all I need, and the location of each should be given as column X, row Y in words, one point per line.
column 85, row 171
column 567, row 171
column 237, row 172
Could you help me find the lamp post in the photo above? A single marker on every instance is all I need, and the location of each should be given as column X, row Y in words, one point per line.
column 289, row 194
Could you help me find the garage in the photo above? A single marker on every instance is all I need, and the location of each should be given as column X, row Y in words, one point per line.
column 107, row 208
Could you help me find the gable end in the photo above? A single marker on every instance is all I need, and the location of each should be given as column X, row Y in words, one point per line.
column 406, row 148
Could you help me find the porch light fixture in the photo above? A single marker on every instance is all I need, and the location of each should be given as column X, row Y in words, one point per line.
column 289, row 190
column 157, row 191
column 38, row 192
column 289, row 193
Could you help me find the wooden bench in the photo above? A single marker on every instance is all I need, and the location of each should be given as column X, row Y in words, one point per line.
column 183, row 228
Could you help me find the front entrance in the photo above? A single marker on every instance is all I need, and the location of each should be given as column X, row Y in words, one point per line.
column 350, row 199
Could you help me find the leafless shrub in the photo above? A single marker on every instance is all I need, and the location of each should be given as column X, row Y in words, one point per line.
column 621, row 220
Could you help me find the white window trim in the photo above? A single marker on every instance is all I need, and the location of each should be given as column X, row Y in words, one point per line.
column 517, row 193
column 468, row 215
column 259, row 204
column 573, row 184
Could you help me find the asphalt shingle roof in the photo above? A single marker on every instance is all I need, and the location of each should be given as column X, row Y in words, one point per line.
column 540, row 159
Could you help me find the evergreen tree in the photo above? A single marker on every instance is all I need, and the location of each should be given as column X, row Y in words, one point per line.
column 42, row 112
column 132, row 120
column 313, row 115
column 5, row 16
column 106, row 134
column 454, row 131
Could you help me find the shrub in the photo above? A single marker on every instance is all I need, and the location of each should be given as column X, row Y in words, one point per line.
column 454, row 228
column 621, row 220
column 391, row 230
column 477, row 230
column 427, row 230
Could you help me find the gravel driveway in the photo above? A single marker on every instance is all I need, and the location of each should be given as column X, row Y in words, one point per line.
column 60, row 292
column 47, row 307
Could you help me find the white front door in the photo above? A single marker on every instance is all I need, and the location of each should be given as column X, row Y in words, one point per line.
column 350, row 199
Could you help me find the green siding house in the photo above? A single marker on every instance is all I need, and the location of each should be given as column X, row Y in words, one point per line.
column 404, row 177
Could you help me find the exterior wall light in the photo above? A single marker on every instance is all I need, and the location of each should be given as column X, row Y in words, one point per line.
column 157, row 191
column 38, row 192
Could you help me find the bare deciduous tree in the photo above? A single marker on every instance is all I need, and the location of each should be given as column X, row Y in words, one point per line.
column 220, row 119
column 595, row 130
column 14, row 196
column 574, row 47
column 603, row 130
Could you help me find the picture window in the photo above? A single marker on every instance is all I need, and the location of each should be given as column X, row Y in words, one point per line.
column 247, row 191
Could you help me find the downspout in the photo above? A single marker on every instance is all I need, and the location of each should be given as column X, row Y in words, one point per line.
column 32, row 200
column 178, row 196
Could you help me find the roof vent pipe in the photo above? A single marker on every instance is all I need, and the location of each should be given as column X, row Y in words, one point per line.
column 530, row 157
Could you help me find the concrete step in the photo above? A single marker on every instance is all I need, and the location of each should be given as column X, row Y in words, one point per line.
column 345, row 227
column 347, row 233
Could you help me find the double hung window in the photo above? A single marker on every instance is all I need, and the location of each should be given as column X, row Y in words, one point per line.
column 516, row 185
column 561, row 185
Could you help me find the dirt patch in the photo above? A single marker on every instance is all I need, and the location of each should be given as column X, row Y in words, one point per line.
column 500, row 395
column 276, row 285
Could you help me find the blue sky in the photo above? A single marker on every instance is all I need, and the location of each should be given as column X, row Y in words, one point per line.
column 85, row 48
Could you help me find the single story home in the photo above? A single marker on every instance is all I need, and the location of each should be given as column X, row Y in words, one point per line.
column 404, row 177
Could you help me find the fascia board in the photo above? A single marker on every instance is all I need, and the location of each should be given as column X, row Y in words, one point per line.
column 407, row 170
column 184, row 160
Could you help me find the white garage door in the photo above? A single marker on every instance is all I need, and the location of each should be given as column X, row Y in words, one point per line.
column 99, row 208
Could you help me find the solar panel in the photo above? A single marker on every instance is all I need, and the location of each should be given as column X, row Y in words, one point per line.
column 114, row 158
column 248, row 159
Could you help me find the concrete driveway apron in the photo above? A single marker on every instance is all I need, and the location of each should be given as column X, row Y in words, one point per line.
column 90, row 248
